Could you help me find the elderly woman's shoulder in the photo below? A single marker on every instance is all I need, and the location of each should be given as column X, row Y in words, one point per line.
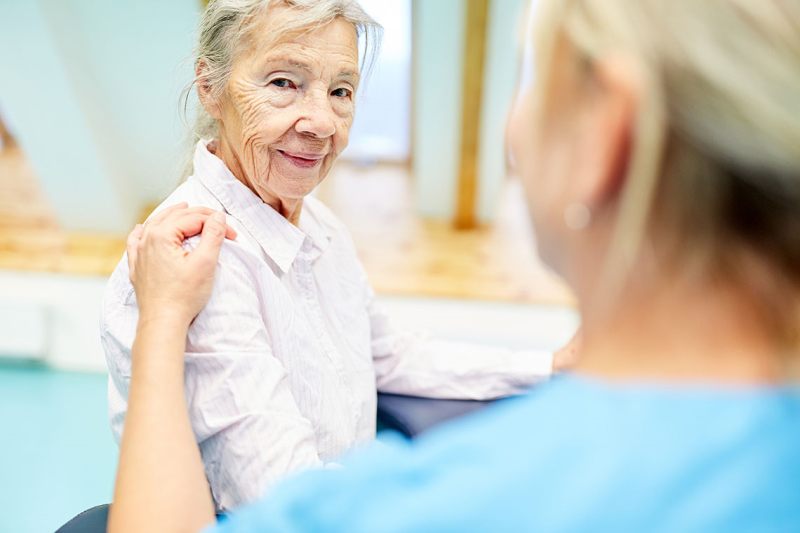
column 119, row 286
column 193, row 193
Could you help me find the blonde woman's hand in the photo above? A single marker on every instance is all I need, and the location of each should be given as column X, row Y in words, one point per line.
column 171, row 283
column 567, row 356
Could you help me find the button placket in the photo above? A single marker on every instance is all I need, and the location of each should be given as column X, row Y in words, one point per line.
column 304, row 260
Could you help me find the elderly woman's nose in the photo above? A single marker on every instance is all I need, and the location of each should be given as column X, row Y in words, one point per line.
column 318, row 118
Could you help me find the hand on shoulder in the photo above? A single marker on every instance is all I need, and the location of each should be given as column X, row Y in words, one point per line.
column 170, row 281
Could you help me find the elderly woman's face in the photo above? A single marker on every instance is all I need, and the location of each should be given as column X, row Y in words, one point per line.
column 288, row 109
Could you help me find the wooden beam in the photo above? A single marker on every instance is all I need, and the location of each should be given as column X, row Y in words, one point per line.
column 472, row 89
column 6, row 139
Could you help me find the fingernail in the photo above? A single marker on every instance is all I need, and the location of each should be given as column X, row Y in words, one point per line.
column 219, row 217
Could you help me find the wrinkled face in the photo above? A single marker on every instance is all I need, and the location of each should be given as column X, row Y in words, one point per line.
column 288, row 109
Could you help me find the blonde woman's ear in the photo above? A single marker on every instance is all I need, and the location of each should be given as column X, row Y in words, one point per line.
column 132, row 247
column 612, row 117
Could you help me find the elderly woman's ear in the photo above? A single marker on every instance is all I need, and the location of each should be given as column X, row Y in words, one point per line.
column 205, row 90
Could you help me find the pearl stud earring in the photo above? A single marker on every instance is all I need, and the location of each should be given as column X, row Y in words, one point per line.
column 577, row 216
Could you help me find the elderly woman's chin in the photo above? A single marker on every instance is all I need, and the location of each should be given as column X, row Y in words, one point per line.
column 296, row 175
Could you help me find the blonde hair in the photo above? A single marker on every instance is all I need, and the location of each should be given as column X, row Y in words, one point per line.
column 225, row 29
column 717, row 140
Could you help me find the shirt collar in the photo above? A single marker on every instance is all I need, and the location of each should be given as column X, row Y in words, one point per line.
column 280, row 239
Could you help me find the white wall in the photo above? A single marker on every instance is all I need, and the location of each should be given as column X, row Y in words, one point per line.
column 382, row 127
column 54, row 319
column 437, row 79
column 437, row 85
column 50, row 123
column 92, row 90
column 133, row 57
column 500, row 75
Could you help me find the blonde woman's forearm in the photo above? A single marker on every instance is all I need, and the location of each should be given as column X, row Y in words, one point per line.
column 161, row 485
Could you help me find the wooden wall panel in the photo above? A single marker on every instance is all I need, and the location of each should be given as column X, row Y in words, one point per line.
column 475, row 47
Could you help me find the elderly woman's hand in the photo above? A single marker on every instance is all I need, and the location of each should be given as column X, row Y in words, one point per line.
column 170, row 282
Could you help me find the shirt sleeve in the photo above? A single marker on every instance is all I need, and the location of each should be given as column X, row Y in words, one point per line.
column 416, row 364
column 246, row 421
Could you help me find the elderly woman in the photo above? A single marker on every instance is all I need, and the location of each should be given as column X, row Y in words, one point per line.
column 283, row 363
column 672, row 161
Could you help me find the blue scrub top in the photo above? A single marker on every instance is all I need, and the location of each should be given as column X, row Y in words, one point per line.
column 575, row 455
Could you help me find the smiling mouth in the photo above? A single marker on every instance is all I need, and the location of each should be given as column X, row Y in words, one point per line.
column 302, row 160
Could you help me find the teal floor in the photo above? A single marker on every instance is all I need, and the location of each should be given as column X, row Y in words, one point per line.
column 57, row 456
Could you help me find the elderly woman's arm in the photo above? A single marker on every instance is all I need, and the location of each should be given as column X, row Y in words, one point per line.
column 410, row 363
column 161, row 485
column 245, row 419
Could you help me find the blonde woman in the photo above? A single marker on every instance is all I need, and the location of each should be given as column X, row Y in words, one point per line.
column 659, row 141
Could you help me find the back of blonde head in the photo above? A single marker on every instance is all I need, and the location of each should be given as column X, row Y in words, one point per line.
column 716, row 157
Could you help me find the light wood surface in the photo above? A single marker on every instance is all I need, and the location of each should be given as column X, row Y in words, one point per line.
column 405, row 254
column 402, row 253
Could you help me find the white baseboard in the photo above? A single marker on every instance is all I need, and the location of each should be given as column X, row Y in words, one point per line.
column 54, row 318
column 519, row 326
column 24, row 331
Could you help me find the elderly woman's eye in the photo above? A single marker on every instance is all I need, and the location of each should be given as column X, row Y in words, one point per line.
column 342, row 93
column 283, row 83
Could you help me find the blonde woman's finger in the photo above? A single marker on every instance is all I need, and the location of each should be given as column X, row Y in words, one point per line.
column 164, row 213
column 214, row 233
column 191, row 211
column 132, row 246
column 187, row 224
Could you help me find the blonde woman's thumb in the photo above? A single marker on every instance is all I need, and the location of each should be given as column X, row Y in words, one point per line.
column 211, row 239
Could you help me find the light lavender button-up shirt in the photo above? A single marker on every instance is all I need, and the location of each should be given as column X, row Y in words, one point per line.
column 283, row 363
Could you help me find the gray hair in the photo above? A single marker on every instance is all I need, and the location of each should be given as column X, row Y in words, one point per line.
column 717, row 139
column 224, row 30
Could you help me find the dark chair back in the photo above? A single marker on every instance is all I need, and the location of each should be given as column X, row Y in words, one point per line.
column 92, row 521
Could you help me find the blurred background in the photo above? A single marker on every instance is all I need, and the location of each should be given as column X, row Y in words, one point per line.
column 92, row 141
